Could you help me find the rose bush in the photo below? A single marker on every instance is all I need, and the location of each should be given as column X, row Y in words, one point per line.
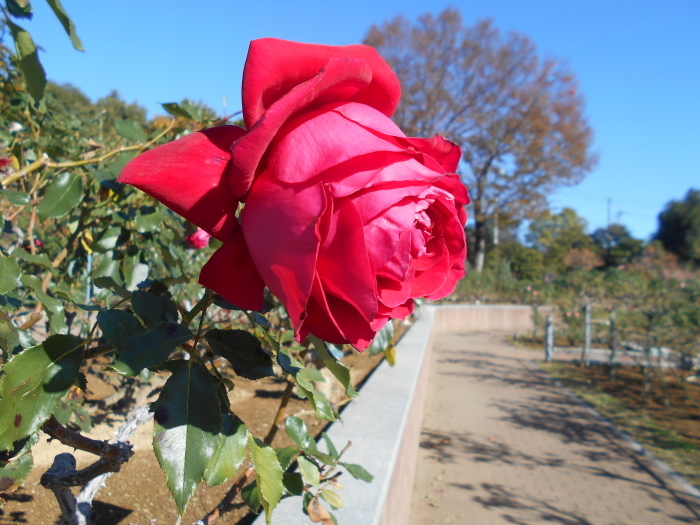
column 345, row 219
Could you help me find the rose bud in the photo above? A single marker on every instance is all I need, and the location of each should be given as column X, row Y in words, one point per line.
column 198, row 239
column 346, row 220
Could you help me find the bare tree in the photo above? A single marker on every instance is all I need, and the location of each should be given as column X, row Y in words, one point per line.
column 518, row 119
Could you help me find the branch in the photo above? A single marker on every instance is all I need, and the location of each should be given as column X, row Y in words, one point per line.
column 62, row 474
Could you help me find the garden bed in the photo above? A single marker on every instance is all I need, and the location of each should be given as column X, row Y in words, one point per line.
column 662, row 415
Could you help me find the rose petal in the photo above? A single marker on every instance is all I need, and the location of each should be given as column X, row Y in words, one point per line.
column 280, row 223
column 339, row 78
column 431, row 280
column 335, row 320
column 319, row 140
column 187, row 175
column 343, row 264
column 274, row 67
column 231, row 273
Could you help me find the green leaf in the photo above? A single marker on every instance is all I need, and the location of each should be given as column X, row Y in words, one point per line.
column 130, row 129
column 63, row 194
column 187, row 426
column 40, row 260
column 382, row 340
column 287, row 362
column 297, row 430
column 67, row 23
column 13, row 473
column 117, row 326
column 148, row 308
column 108, row 282
column 243, row 351
column 151, row 348
column 176, row 110
column 20, row 8
column 230, row 452
column 52, row 306
column 331, row 447
column 120, row 161
column 148, row 219
column 285, row 455
column 338, row 369
column 358, row 472
column 34, row 74
column 33, row 383
column 16, row 198
column 309, row 471
column 108, row 240
column 269, row 475
column 9, row 274
column 192, row 109
column 135, row 272
column 251, row 495
column 293, row 483
column 332, row 497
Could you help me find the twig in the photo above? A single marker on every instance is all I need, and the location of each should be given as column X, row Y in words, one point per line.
column 280, row 413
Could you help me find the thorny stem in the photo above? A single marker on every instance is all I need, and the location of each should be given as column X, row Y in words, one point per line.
column 76, row 440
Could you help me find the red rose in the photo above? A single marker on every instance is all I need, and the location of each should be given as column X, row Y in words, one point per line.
column 346, row 220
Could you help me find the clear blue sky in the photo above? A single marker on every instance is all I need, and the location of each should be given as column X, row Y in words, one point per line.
column 637, row 62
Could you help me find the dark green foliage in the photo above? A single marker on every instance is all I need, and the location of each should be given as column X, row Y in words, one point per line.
column 679, row 227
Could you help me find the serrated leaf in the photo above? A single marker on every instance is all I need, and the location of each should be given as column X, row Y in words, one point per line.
column 243, row 351
column 332, row 497
column 309, row 471
column 176, row 110
column 9, row 274
column 293, row 483
column 297, row 430
column 151, row 348
column 130, row 129
column 269, row 475
column 63, row 194
column 118, row 326
column 187, row 423
column 287, row 362
column 67, row 23
column 148, row 308
column 13, row 473
column 358, row 472
column 323, row 407
column 16, row 198
column 29, row 63
column 338, row 369
column 33, row 383
column 230, row 451
column 382, row 340
column 251, row 495
column 108, row 239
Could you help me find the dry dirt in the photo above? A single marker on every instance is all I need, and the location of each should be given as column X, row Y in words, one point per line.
column 138, row 494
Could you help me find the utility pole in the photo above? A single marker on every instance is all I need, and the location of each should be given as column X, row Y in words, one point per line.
column 609, row 213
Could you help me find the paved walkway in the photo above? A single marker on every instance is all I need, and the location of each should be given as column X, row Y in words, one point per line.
column 502, row 445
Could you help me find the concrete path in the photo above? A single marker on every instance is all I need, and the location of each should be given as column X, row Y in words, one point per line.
column 501, row 444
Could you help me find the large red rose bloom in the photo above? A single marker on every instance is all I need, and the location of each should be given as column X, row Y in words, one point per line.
column 346, row 220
